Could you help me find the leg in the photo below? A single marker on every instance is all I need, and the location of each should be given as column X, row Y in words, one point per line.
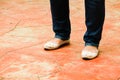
column 60, row 18
column 61, row 24
column 95, row 13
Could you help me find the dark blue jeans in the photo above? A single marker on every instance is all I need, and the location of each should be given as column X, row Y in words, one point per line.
column 94, row 14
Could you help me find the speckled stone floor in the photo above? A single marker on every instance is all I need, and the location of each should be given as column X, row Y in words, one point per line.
column 25, row 25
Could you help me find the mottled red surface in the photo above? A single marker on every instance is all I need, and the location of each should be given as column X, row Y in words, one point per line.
column 25, row 25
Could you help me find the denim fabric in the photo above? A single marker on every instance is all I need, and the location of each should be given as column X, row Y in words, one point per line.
column 94, row 15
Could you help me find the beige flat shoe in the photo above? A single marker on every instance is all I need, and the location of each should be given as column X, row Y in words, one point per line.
column 89, row 54
column 53, row 45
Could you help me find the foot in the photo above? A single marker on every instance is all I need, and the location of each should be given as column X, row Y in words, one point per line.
column 89, row 52
column 55, row 43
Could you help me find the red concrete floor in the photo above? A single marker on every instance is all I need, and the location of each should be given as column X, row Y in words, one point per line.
column 25, row 25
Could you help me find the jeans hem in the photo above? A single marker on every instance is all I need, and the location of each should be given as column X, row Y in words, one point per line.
column 92, row 44
column 63, row 38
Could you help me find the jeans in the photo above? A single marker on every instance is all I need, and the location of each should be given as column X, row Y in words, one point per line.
column 94, row 19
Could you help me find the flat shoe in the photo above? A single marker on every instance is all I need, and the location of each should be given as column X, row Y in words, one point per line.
column 52, row 45
column 89, row 54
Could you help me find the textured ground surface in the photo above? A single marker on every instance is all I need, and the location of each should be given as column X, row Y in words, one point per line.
column 25, row 25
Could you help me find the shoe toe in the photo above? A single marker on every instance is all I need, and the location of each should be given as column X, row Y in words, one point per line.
column 50, row 45
column 89, row 55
